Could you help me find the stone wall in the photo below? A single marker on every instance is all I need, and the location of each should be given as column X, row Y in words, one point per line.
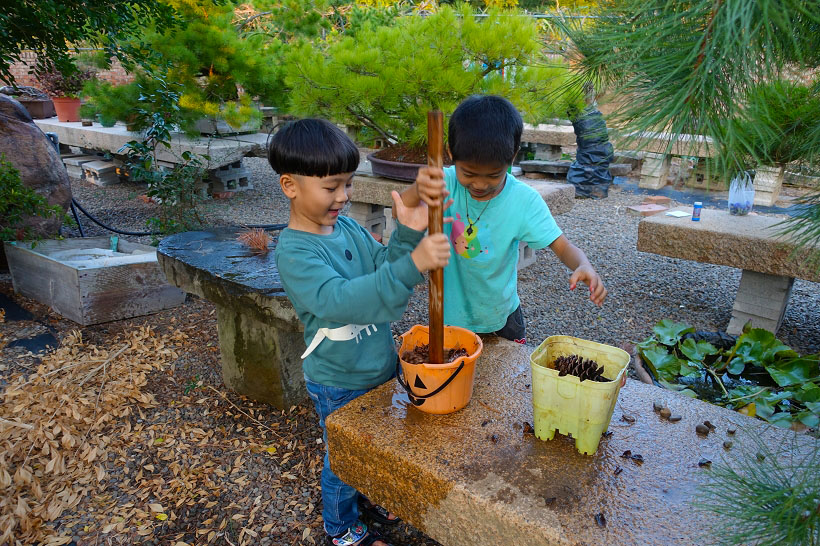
column 22, row 76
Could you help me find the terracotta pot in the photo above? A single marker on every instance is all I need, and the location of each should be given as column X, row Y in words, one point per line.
column 67, row 109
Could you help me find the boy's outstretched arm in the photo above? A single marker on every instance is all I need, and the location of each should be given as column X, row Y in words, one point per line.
column 429, row 188
column 575, row 259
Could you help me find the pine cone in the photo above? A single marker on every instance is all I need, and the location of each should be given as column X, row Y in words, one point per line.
column 583, row 369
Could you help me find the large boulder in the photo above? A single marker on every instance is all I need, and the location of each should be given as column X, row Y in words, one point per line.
column 31, row 152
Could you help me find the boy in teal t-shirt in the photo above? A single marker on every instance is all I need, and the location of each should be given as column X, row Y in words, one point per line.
column 346, row 289
column 492, row 212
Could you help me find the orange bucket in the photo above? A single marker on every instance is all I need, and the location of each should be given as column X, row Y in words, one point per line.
column 439, row 388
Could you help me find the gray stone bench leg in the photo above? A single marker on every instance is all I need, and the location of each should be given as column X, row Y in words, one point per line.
column 259, row 360
column 761, row 298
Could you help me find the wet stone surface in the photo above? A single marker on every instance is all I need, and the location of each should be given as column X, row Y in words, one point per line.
column 444, row 475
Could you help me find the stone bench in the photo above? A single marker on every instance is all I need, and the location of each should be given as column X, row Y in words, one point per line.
column 750, row 243
column 371, row 204
column 475, row 477
column 657, row 150
column 260, row 335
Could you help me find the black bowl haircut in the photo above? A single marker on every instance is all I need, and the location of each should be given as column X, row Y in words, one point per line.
column 312, row 147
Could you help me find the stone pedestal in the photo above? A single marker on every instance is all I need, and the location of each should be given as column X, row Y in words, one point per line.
column 761, row 299
column 260, row 336
column 654, row 170
column 477, row 477
column 768, row 182
column 547, row 152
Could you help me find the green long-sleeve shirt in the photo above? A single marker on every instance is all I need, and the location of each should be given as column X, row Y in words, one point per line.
column 347, row 288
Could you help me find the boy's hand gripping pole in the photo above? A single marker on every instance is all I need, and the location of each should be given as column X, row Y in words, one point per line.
column 435, row 224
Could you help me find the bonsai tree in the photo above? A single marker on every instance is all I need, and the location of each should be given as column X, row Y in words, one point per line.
column 386, row 78
column 68, row 85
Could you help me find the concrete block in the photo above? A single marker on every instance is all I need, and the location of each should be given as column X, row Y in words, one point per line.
column 654, row 170
column 526, row 256
column 761, row 299
column 547, row 152
column 371, row 217
column 74, row 165
column 768, row 182
column 101, row 173
column 547, row 167
column 646, row 209
column 229, row 178
column 620, row 169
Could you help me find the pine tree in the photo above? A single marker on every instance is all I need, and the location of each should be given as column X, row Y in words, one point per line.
column 387, row 77
column 737, row 71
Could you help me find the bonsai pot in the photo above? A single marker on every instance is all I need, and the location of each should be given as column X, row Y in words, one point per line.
column 396, row 170
column 68, row 109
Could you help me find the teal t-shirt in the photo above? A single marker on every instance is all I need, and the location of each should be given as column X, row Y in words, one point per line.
column 346, row 289
column 481, row 281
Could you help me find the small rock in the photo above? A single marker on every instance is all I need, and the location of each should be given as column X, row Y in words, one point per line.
column 528, row 428
column 638, row 458
column 761, row 457
column 600, row 519
column 494, row 439
column 618, row 470
column 628, row 418
column 657, row 406
column 710, row 425
column 675, row 417
column 727, row 444
column 626, row 454
column 549, row 500
column 485, row 423
column 607, row 434
column 703, row 430
column 665, row 413
column 731, row 431
column 704, row 462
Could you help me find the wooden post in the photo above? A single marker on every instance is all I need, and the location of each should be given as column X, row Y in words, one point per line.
column 435, row 224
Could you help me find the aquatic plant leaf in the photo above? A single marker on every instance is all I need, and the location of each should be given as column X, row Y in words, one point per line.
column 781, row 419
column 664, row 365
column 808, row 418
column 736, row 366
column 813, row 406
column 808, row 393
column 690, row 369
column 669, row 332
column 761, row 346
column 794, row 372
column 697, row 351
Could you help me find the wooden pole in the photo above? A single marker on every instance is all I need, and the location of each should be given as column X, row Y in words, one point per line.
column 435, row 224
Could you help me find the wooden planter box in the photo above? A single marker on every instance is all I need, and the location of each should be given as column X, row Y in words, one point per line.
column 91, row 291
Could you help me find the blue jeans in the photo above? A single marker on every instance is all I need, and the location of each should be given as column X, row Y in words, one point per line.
column 340, row 510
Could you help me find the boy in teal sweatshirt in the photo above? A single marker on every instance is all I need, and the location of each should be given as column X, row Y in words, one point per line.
column 346, row 289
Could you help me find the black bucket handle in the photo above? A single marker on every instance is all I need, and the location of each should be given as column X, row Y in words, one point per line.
column 418, row 400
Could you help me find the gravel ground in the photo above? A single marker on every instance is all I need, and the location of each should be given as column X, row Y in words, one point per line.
column 643, row 288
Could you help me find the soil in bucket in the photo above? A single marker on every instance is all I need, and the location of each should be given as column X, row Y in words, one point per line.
column 421, row 354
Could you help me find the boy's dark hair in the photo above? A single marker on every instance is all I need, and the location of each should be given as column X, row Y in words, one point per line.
column 312, row 147
column 485, row 129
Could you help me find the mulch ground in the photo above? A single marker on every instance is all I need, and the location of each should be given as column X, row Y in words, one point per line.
column 126, row 435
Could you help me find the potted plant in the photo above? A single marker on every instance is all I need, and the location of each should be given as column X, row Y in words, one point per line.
column 65, row 90
column 385, row 79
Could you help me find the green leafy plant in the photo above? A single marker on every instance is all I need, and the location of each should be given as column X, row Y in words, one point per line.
column 175, row 189
column 386, row 78
column 762, row 495
column 112, row 103
column 758, row 374
column 17, row 202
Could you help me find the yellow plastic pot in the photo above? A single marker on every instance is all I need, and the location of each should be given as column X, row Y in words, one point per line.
column 571, row 406
column 439, row 388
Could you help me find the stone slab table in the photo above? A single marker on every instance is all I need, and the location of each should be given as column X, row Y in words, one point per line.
column 474, row 477
column 260, row 336
column 222, row 151
column 750, row 243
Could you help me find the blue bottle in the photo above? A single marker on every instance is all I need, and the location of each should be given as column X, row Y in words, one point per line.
column 696, row 211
